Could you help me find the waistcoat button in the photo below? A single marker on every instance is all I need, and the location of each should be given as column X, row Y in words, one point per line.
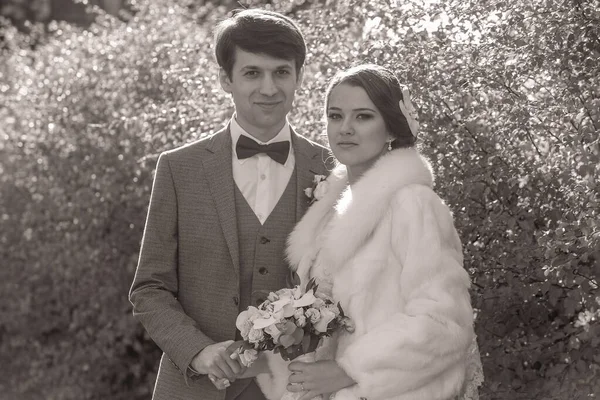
column 263, row 271
column 264, row 240
column 236, row 300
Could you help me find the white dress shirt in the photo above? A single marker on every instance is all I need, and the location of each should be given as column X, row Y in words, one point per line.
column 261, row 180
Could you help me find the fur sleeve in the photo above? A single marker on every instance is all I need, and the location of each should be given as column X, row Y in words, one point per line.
column 420, row 351
column 274, row 382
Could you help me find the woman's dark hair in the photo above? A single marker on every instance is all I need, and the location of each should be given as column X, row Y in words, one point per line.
column 260, row 32
column 384, row 90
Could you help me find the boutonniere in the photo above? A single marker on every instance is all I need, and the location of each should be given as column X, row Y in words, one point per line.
column 318, row 190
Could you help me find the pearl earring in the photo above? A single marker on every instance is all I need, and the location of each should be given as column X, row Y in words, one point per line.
column 390, row 145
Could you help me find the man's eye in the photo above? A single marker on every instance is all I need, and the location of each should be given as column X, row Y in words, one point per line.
column 251, row 74
column 283, row 72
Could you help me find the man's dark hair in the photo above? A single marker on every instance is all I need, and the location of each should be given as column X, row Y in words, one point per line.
column 260, row 32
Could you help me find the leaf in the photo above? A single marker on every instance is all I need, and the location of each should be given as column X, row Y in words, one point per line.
column 286, row 340
column 311, row 284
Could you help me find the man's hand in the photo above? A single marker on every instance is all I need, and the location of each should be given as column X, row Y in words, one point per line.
column 216, row 362
column 321, row 377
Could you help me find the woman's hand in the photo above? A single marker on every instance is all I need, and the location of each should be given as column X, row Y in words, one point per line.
column 317, row 378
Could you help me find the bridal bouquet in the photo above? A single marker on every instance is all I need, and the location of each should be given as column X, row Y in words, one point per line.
column 290, row 322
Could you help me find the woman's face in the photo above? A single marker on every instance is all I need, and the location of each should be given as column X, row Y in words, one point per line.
column 355, row 128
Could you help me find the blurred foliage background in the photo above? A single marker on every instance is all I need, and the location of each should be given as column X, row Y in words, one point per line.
column 509, row 99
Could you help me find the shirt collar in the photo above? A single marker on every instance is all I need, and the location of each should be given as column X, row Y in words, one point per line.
column 237, row 131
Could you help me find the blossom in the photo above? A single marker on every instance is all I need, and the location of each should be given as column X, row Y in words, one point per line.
column 301, row 321
column 247, row 357
column 320, row 190
column 300, row 318
column 318, row 303
column 318, row 178
column 245, row 320
column 246, row 315
column 266, row 306
column 255, row 335
column 287, row 304
column 313, row 314
column 297, row 292
column 272, row 297
column 306, row 300
column 284, row 307
column 245, row 329
column 273, row 331
column 334, row 309
column 285, row 292
column 326, row 317
column 262, row 323
column 348, row 324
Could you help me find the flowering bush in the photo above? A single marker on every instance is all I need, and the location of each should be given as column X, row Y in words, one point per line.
column 290, row 322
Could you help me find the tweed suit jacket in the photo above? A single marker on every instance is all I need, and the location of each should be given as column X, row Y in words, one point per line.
column 186, row 288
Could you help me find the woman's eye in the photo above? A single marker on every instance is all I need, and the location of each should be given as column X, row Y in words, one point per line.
column 364, row 116
column 334, row 116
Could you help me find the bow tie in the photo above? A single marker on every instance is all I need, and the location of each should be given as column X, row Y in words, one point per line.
column 278, row 151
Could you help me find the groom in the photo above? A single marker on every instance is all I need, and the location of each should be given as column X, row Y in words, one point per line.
column 220, row 212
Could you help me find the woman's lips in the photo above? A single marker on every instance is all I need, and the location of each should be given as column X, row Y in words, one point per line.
column 346, row 145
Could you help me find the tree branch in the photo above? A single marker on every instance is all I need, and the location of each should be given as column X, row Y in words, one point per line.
column 533, row 143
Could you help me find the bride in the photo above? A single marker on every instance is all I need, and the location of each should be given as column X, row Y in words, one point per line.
column 381, row 242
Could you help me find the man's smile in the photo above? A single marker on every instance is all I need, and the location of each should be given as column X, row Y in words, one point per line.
column 268, row 105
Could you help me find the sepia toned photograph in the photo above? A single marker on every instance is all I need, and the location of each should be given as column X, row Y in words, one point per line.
column 299, row 200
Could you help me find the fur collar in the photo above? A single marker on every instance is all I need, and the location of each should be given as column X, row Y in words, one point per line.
column 357, row 210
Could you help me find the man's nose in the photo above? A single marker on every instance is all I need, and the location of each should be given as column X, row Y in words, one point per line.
column 267, row 86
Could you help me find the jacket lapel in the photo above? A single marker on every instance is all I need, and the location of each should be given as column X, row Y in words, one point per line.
column 308, row 164
column 219, row 174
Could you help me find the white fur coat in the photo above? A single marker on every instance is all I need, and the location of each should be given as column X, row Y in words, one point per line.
column 388, row 247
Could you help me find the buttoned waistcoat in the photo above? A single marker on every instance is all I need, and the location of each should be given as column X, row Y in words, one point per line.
column 186, row 289
column 261, row 246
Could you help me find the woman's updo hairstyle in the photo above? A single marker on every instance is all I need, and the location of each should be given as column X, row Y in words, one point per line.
column 384, row 90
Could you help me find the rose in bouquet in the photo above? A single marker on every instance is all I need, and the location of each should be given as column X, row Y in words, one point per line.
column 290, row 322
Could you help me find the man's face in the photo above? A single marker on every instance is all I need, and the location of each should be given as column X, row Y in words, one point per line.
column 263, row 91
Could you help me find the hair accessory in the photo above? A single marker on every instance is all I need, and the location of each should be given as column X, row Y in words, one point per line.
column 409, row 111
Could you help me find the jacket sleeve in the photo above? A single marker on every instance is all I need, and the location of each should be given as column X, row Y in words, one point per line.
column 420, row 351
column 155, row 286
